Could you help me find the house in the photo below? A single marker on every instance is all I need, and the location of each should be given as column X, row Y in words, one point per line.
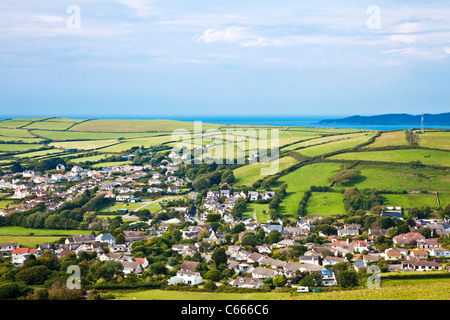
column 19, row 255
column 328, row 278
column 262, row 272
column 106, row 237
column 60, row 167
column 186, row 277
column 420, row 265
column 428, row 243
column 7, row 248
column 131, row 266
column 255, row 257
column 409, row 239
column 393, row 255
column 241, row 282
column 348, row 232
column 309, row 259
column 173, row 189
column 189, row 265
column 440, row 252
column 419, row 254
column 20, row 193
column 332, row 260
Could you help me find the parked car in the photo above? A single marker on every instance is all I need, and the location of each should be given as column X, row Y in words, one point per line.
column 317, row 290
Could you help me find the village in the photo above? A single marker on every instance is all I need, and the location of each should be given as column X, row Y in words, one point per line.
column 254, row 251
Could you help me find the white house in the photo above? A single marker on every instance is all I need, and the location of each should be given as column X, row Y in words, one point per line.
column 241, row 282
column 19, row 255
column 106, row 237
column 186, row 277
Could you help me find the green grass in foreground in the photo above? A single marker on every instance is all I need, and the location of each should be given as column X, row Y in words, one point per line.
column 19, row 231
column 436, row 289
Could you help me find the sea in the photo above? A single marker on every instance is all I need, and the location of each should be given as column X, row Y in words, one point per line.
column 312, row 121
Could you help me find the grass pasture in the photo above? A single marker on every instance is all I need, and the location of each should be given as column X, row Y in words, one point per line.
column 49, row 125
column 403, row 290
column 410, row 200
column 249, row 174
column 75, row 135
column 438, row 140
column 301, row 180
column 325, row 204
column 444, row 198
column 84, row 144
column 112, row 125
column 399, row 178
column 428, row 157
column 18, row 147
column 389, row 138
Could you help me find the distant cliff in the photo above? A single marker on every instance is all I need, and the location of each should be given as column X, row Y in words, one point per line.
column 394, row 119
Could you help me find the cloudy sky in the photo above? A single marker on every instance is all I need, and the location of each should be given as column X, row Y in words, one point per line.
column 253, row 57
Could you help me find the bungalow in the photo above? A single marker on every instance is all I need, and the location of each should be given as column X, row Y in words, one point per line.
column 173, row 189
column 428, row 243
column 309, row 259
column 421, row 265
column 392, row 255
column 332, row 260
column 348, row 232
column 241, row 282
column 261, row 273
column 131, row 266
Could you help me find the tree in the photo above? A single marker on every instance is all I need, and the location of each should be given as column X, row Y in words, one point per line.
column 279, row 281
column 219, row 257
column 110, row 269
column 249, row 239
column 312, row 280
column 210, row 285
column 36, row 275
column 158, row 268
column 213, row 275
column 346, row 176
column 347, row 279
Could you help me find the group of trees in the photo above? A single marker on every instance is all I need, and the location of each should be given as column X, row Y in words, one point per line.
column 365, row 199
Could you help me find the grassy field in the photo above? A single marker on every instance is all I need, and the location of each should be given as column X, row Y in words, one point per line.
column 75, row 135
column 302, row 179
column 390, row 138
column 29, row 242
column 15, row 123
column 49, row 125
column 84, row 144
column 439, row 140
column 444, row 198
column 18, row 147
column 411, row 290
column 410, row 200
column 430, row 157
column 256, row 209
column 17, row 133
column 325, row 204
column 249, row 174
column 36, row 154
column 334, row 146
column 137, row 125
column 127, row 205
column 19, row 231
column 398, row 178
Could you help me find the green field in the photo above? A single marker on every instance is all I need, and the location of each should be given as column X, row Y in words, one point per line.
column 84, row 144
column 137, row 125
column 301, row 180
column 410, row 290
column 334, row 146
column 256, row 209
column 18, row 147
column 444, row 198
column 19, row 231
column 17, row 133
column 398, row 178
column 325, row 204
column 49, row 125
column 249, row 174
column 438, row 140
column 75, row 135
column 410, row 200
column 390, row 138
column 429, row 157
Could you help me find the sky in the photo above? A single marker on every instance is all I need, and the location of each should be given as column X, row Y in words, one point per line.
column 102, row 58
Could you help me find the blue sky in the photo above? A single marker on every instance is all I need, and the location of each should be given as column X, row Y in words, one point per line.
column 178, row 57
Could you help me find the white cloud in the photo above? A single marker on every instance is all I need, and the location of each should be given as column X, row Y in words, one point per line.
column 404, row 38
column 447, row 50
